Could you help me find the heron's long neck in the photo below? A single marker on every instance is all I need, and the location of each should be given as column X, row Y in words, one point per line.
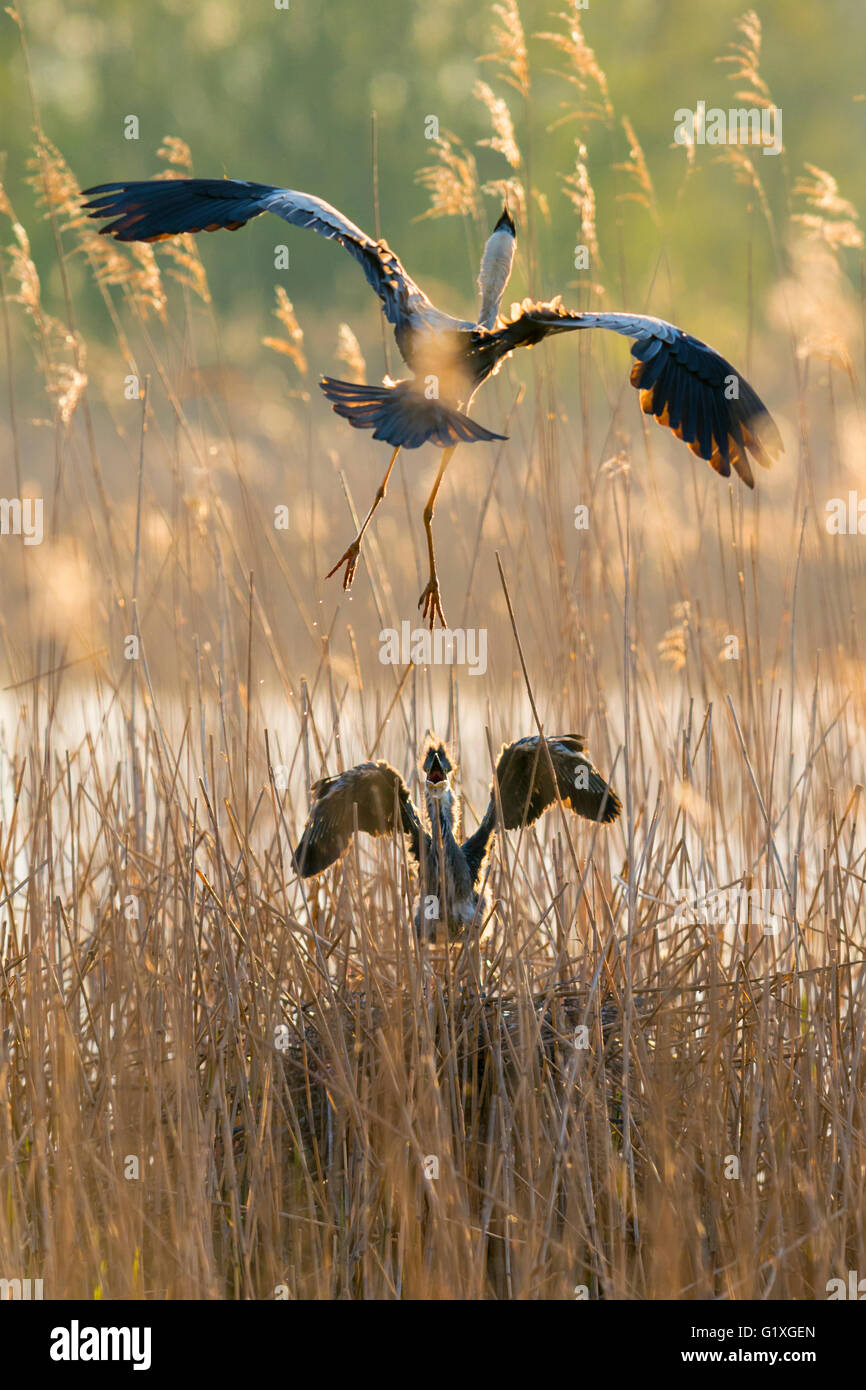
column 441, row 813
column 493, row 277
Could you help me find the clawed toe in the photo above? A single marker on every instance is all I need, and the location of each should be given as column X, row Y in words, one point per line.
column 431, row 605
column 349, row 558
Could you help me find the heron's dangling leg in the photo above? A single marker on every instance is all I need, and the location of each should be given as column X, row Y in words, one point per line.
column 430, row 602
column 349, row 558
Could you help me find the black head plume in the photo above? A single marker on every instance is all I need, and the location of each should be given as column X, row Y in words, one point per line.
column 506, row 222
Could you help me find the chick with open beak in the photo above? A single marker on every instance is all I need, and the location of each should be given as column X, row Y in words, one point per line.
column 530, row 778
column 448, row 892
column 437, row 768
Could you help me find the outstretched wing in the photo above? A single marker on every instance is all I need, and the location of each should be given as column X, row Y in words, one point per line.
column 154, row 209
column 683, row 383
column 373, row 788
column 526, row 789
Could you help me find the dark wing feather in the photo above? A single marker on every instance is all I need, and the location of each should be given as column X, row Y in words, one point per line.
column 151, row 210
column 526, row 788
column 684, row 383
column 373, row 788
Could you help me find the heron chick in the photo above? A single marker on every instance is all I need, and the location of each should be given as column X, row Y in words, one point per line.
column 685, row 384
column 450, row 868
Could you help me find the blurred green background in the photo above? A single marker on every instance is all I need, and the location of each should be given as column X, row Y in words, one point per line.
column 285, row 96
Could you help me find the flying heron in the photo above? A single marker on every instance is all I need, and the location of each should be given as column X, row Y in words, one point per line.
column 450, row 868
column 685, row 384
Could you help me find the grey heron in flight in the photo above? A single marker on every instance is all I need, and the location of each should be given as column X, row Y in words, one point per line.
column 450, row 868
column 685, row 384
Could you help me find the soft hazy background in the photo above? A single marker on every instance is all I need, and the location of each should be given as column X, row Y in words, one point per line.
column 286, row 96
column 707, row 639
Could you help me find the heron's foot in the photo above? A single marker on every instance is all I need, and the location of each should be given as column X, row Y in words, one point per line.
column 349, row 558
column 430, row 603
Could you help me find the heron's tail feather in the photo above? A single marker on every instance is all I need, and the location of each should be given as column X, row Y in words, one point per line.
column 401, row 415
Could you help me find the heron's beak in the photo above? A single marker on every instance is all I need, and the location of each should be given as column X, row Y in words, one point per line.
column 506, row 221
column 436, row 779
